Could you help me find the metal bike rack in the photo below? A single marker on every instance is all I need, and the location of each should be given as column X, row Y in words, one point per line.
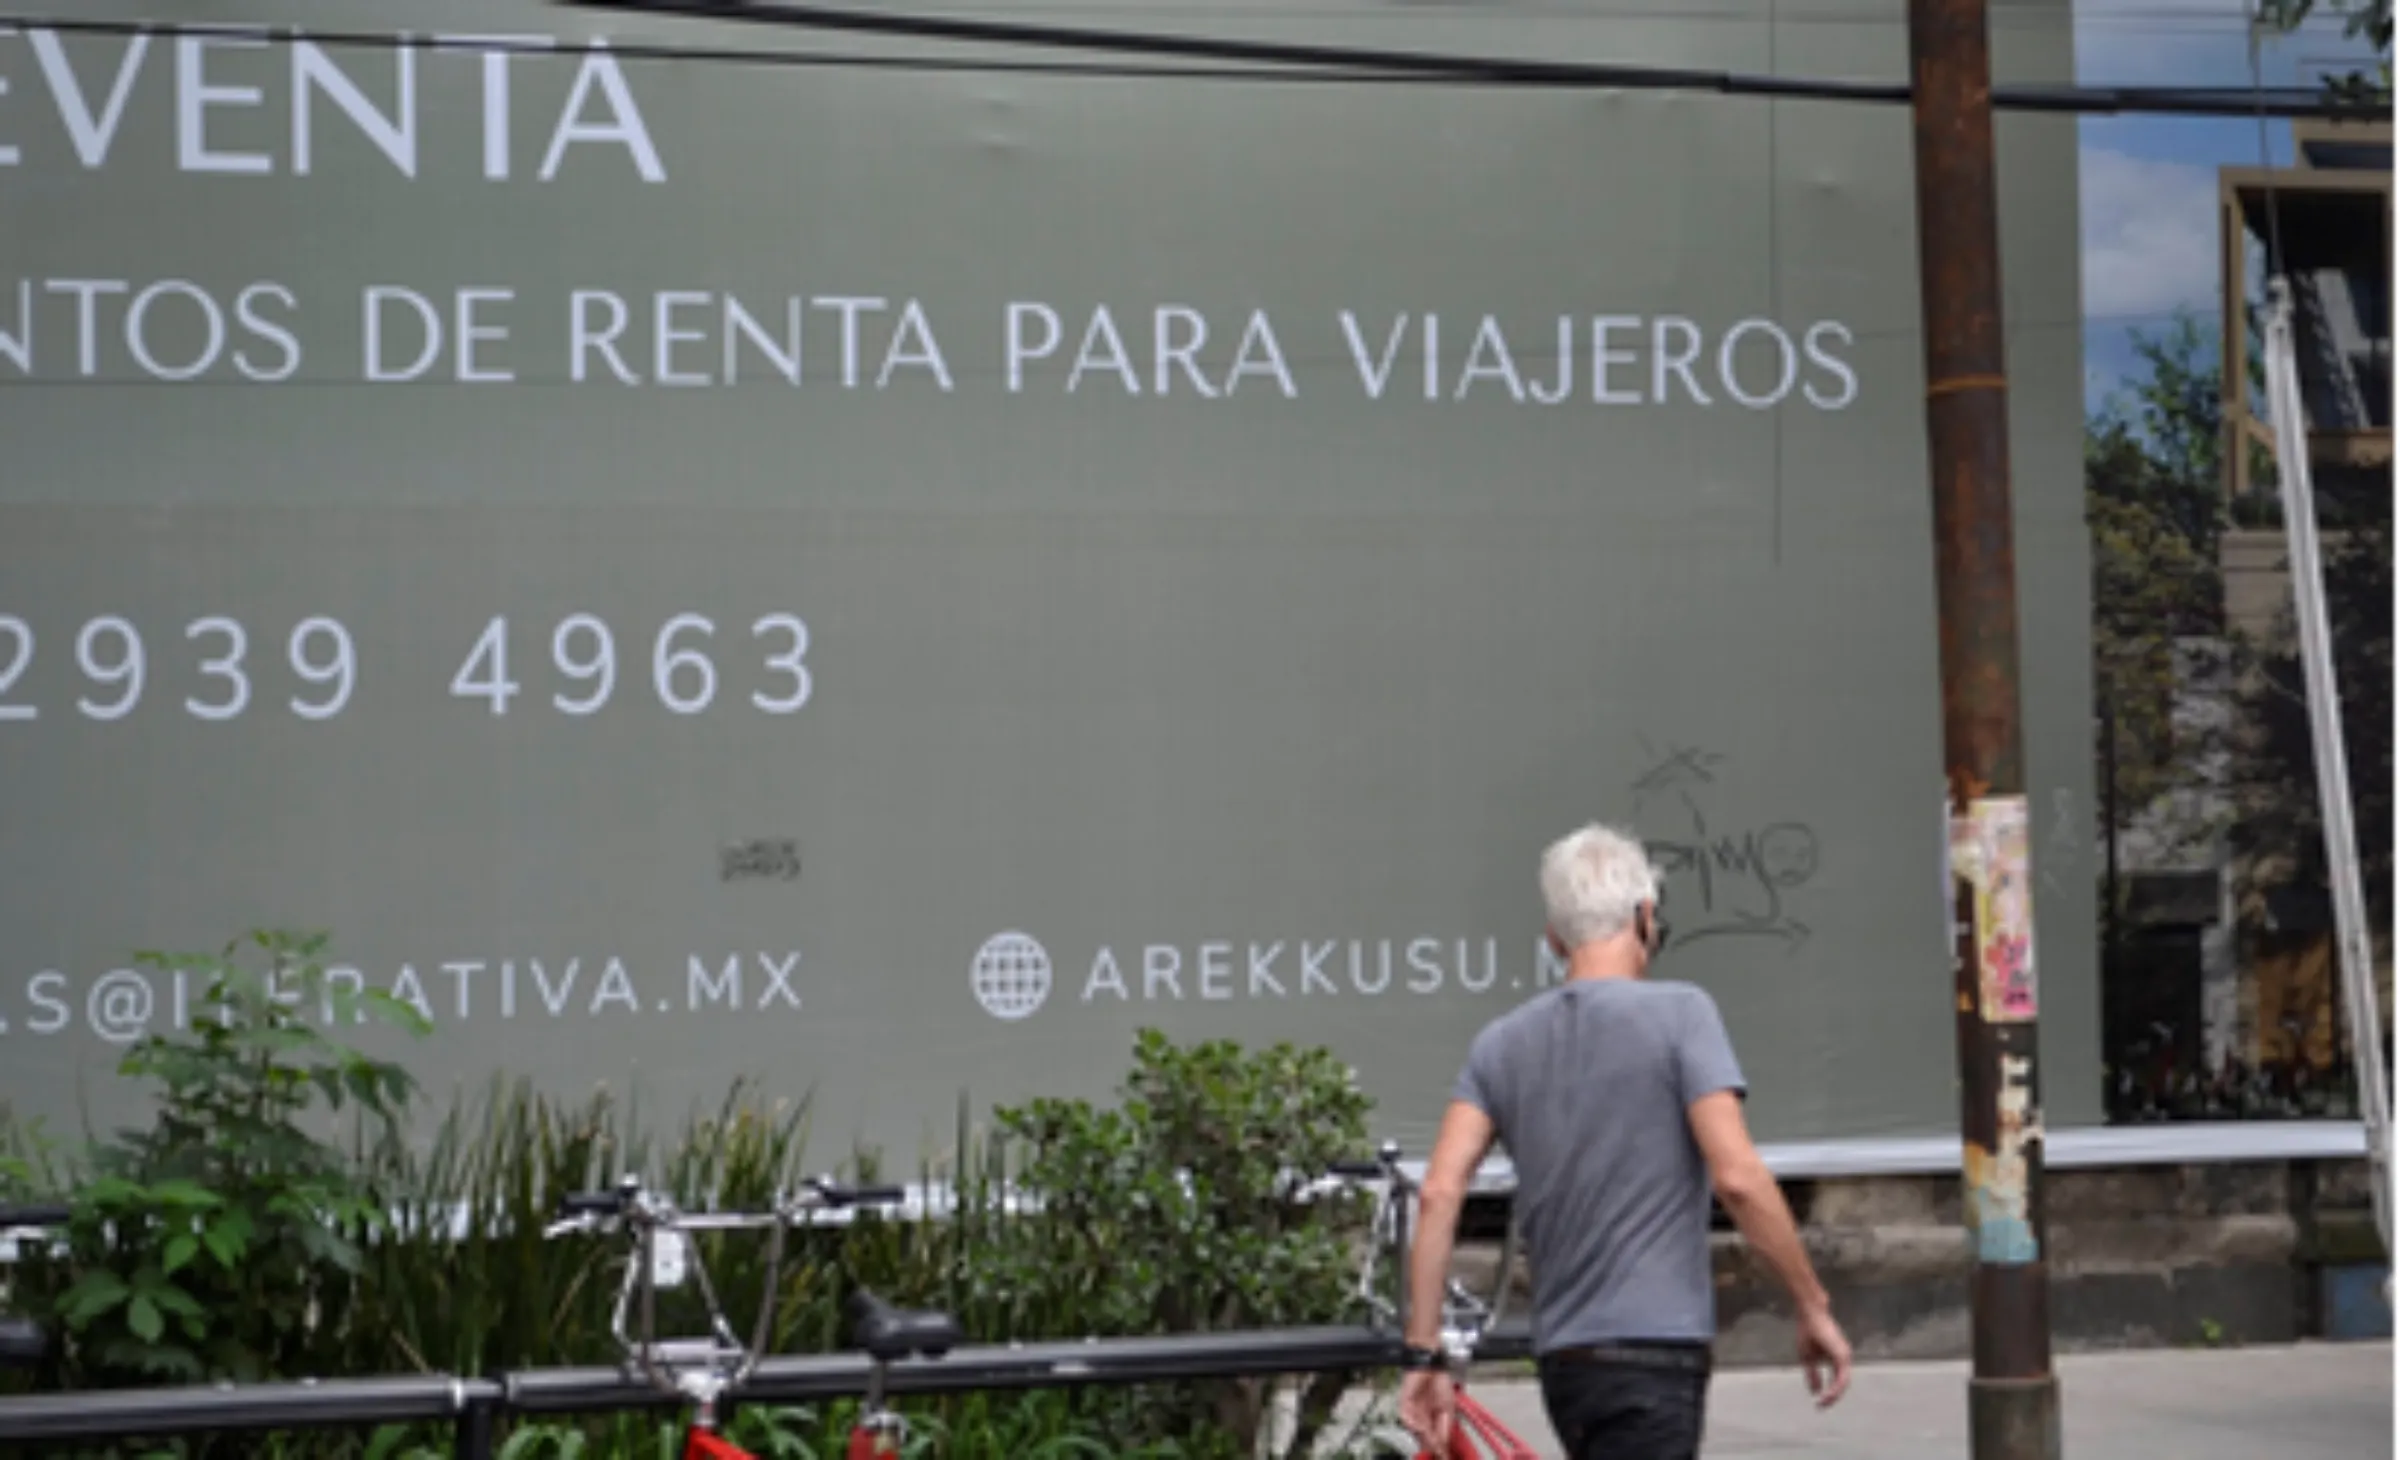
column 474, row 1406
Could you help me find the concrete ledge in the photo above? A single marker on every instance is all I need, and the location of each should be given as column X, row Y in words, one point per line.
column 2342, row 1238
column 2117, row 1147
column 2145, row 1244
column 2139, row 1257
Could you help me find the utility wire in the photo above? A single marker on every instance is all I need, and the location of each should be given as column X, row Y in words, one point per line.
column 2028, row 15
column 2016, row 15
column 653, row 51
column 1487, row 71
column 1261, row 61
column 1816, row 12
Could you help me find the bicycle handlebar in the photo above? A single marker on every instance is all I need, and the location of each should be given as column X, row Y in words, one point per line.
column 699, row 1368
column 47, row 1214
column 1384, row 1165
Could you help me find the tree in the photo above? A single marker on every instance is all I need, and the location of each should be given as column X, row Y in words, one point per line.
column 2368, row 20
column 2282, row 826
column 2153, row 463
column 2153, row 490
column 2282, row 820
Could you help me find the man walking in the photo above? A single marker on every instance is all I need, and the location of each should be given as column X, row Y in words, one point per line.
column 1619, row 1101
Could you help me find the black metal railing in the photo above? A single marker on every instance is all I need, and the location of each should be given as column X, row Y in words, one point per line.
column 475, row 1407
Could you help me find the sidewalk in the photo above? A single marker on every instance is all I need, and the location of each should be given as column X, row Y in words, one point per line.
column 2322, row 1401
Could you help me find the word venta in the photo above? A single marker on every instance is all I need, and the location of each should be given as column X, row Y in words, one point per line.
column 241, row 106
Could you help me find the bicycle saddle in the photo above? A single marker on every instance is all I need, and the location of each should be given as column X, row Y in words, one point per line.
column 22, row 1342
column 888, row 1333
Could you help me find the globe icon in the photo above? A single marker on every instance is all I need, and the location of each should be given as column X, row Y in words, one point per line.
column 1011, row 976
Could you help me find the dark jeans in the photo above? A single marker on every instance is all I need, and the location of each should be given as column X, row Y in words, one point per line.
column 1629, row 1402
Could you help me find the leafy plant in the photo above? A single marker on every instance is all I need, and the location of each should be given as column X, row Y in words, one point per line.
column 1176, row 1213
column 463, row 1281
column 1030, row 1426
column 2205, row 744
column 214, row 1242
column 2362, row 20
column 246, row 1232
column 2153, row 492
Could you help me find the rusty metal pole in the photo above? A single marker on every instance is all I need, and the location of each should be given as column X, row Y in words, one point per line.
column 2012, row 1395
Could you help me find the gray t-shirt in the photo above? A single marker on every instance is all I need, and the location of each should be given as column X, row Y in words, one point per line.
column 1587, row 1086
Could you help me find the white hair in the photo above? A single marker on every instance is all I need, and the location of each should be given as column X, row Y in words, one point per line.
column 1592, row 880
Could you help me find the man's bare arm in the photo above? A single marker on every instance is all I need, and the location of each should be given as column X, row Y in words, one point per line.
column 1466, row 1135
column 1752, row 1197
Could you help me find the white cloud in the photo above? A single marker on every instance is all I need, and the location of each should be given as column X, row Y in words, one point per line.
column 2149, row 235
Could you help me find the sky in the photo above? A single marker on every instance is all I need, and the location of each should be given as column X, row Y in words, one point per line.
column 2150, row 183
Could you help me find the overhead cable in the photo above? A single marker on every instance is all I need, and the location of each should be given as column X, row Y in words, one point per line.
column 1267, row 62
column 1483, row 70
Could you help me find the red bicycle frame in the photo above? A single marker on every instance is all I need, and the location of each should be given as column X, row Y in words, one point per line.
column 874, row 1435
column 704, row 1369
column 866, row 1444
column 700, row 1444
column 1475, row 1432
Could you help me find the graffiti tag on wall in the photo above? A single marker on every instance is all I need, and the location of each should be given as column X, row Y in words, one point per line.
column 1725, row 877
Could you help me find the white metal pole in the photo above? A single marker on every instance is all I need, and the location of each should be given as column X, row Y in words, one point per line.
column 2356, row 953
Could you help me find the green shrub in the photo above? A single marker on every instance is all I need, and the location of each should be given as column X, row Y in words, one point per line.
column 217, row 1243
column 243, row 1233
column 1174, row 1213
column 464, row 1282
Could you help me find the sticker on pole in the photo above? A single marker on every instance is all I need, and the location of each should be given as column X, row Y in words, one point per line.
column 1989, row 851
column 1999, row 1181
